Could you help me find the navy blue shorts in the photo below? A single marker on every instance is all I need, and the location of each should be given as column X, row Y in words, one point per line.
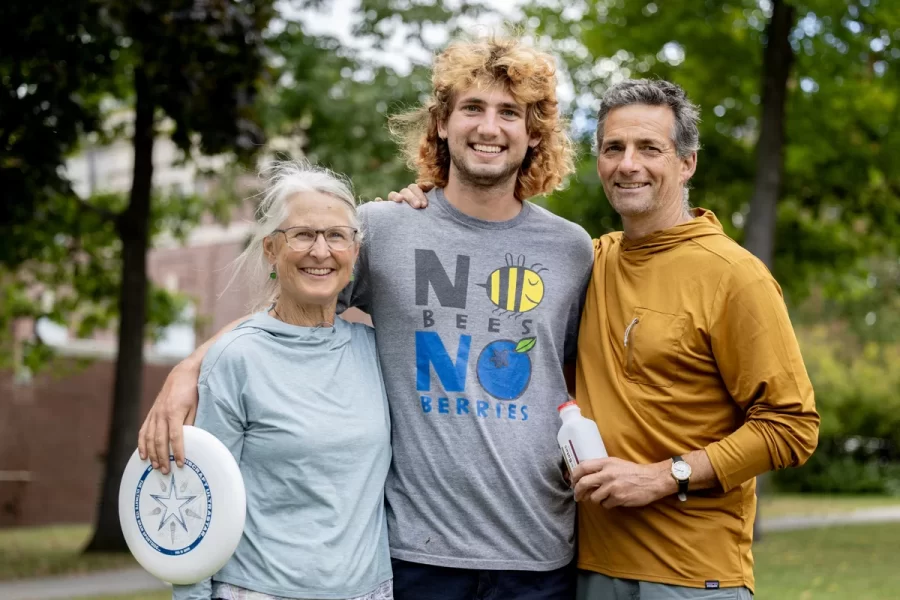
column 415, row 581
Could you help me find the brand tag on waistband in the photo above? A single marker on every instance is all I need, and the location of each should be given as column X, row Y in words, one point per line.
column 712, row 584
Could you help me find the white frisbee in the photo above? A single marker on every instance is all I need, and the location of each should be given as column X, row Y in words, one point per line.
column 183, row 527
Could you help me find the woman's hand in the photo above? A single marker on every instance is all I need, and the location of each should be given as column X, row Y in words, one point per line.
column 175, row 406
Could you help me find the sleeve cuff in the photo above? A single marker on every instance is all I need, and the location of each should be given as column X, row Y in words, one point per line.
column 740, row 457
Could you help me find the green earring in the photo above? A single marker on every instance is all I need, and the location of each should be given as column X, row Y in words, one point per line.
column 352, row 276
column 272, row 275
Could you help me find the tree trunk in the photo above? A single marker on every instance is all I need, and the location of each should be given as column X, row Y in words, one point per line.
column 760, row 238
column 777, row 61
column 133, row 226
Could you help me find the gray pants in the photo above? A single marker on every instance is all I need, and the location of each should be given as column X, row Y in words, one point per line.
column 594, row 586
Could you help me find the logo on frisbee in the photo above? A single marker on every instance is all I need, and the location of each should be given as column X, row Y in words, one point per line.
column 173, row 513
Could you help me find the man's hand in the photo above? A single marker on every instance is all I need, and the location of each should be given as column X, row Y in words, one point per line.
column 413, row 194
column 613, row 482
column 176, row 405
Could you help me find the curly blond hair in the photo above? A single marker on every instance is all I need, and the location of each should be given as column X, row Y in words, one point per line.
column 530, row 78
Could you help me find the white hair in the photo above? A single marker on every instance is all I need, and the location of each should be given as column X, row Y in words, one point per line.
column 284, row 180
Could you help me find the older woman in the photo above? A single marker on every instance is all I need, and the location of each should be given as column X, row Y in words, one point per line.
column 297, row 395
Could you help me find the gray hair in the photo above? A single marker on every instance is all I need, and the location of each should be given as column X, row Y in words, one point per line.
column 284, row 180
column 656, row 92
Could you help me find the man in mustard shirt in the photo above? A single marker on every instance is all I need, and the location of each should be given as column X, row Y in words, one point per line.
column 689, row 365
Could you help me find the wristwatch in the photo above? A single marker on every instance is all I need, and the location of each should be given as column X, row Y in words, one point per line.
column 681, row 472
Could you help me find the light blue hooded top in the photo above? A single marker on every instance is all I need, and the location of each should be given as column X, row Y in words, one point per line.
column 304, row 412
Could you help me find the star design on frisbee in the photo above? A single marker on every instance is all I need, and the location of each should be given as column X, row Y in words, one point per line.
column 172, row 505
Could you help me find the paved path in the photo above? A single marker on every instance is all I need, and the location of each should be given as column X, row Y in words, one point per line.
column 105, row 583
column 94, row 585
column 887, row 514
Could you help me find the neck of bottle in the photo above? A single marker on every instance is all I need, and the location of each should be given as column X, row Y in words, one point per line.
column 570, row 412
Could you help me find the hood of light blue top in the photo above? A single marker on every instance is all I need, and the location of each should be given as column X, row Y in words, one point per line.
column 323, row 337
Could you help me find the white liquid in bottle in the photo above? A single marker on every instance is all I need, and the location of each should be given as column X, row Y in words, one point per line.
column 578, row 437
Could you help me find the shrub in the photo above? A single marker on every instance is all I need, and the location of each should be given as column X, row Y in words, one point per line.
column 857, row 388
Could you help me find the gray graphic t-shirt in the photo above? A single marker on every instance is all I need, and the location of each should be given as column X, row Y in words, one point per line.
column 474, row 320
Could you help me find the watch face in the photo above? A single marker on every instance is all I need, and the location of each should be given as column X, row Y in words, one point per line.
column 681, row 470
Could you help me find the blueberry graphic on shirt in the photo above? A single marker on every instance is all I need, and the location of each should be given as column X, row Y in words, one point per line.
column 504, row 368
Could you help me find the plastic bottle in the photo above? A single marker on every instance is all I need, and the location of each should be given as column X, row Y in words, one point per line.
column 578, row 437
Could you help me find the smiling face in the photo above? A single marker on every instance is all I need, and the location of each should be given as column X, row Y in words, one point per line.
column 317, row 275
column 638, row 165
column 487, row 136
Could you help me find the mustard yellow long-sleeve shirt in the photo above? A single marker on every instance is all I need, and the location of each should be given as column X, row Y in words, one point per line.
column 686, row 344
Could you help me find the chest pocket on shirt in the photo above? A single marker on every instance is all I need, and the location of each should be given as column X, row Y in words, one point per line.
column 652, row 347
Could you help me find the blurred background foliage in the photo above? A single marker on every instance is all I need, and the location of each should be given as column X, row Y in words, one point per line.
column 66, row 66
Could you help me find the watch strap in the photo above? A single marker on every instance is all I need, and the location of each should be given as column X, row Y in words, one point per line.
column 683, row 484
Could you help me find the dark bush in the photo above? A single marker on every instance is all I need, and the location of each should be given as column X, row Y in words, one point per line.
column 834, row 469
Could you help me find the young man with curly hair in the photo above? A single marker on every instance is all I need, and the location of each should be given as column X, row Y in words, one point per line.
column 476, row 302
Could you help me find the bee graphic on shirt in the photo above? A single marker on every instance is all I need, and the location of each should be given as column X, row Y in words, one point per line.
column 515, row 288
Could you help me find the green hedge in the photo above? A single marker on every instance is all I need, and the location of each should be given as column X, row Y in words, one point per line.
column 857, row 390
column 832, row 470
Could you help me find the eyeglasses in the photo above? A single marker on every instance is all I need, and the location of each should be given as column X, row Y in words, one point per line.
column 303, row 238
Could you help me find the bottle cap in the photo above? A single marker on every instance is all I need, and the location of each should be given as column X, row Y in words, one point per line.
column 565, row 404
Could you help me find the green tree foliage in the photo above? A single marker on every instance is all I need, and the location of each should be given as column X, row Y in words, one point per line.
column 199, row 66
column 51, row 74
column 58, row 60
column 334, row 104
column 837, row 220
column 50, row 77
column 848, row 329
column 856, row 382
column 836, row 232
column 74, row 254
column 333, row 99
column 840, row 197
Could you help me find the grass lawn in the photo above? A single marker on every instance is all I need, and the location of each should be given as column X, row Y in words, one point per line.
column 860, row 562
column 55, row 550
column 782, row 505
column 166, row 595
column 834, row 563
